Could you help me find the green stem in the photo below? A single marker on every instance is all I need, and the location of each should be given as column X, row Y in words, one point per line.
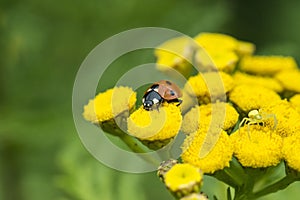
column 135, row 147
column 131, row 143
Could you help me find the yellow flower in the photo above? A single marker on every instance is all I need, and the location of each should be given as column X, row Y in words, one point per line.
column 262, row 149
column 109, row 104
column 222, row 113
column 195, row 196
column 216, row 41
column 209, row 87
column 245, row 48
column 291, row 149
column 295, row 101
column 175, row 53
column 155, row 126
column 267, row 65
column 216, row 159
column 271, row 83
column 183, row 179
column 288, row 119
column 249, row 97
column 290, row 80
column 221, row 60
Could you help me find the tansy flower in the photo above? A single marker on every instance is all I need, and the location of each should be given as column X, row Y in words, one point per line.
column 290, row 80
column 183, row 179
column 262, row 149
column 267, row 82
column 209, row 149
column 291, row 149
column 295, row 101
column 288, row 119
column 221, row 113
column 245, row 48
column 155, row 128
column 218, row 60
column 109, row 104
column 249, row 97
column 195, row 196
column 209, row 87
column 267, row 65
column 216, row 41
column 175, row 53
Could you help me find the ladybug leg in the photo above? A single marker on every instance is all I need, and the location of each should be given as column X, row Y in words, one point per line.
column 179, row 102
column 157, row 106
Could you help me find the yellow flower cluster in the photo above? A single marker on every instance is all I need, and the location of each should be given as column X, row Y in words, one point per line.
column 221, row 113
column 156, row 127
column 109, row 104
column 290, row 80
column 267, row 65
column 175, row 53
column 287, row 116
column 290, row 150
column 249, row 97
column 210, row 51
column 262, row 149
column 184, row 177
column 217, row 158
column 231, row 83
column 267, row 82
column 223, row 51
column 209, row 87
column 213, row 41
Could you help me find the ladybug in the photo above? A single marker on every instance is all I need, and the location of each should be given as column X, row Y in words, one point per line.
column 159, row 92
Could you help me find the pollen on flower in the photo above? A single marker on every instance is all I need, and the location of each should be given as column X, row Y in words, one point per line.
column 216, row 41
column 290, row 80
column 249, row 97
column 209, row 87
column 291, row 149
column 267, row 65
column 109, row 104
column 220, row 114
column 155, row 125
column 288, row 119
column 267, row 82
column 184, row 178
column 219, row 156
column 175, row 53
column 262, row 149
column 221, row 60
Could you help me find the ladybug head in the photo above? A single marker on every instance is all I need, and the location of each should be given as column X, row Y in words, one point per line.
column 150, row 99
column 148, row 105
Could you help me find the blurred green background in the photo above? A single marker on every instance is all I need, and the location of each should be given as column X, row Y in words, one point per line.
column 42, row 46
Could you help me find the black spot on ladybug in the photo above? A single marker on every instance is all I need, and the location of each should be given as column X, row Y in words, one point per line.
column 172, row 92
column 168, row 82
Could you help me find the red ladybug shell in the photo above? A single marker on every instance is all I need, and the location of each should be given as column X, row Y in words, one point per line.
column 168, row 90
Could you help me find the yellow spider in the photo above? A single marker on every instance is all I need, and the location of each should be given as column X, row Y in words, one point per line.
column 257, row 117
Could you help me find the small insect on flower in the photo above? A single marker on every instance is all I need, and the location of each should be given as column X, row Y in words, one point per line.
column 257, row 117
column 159, row 92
